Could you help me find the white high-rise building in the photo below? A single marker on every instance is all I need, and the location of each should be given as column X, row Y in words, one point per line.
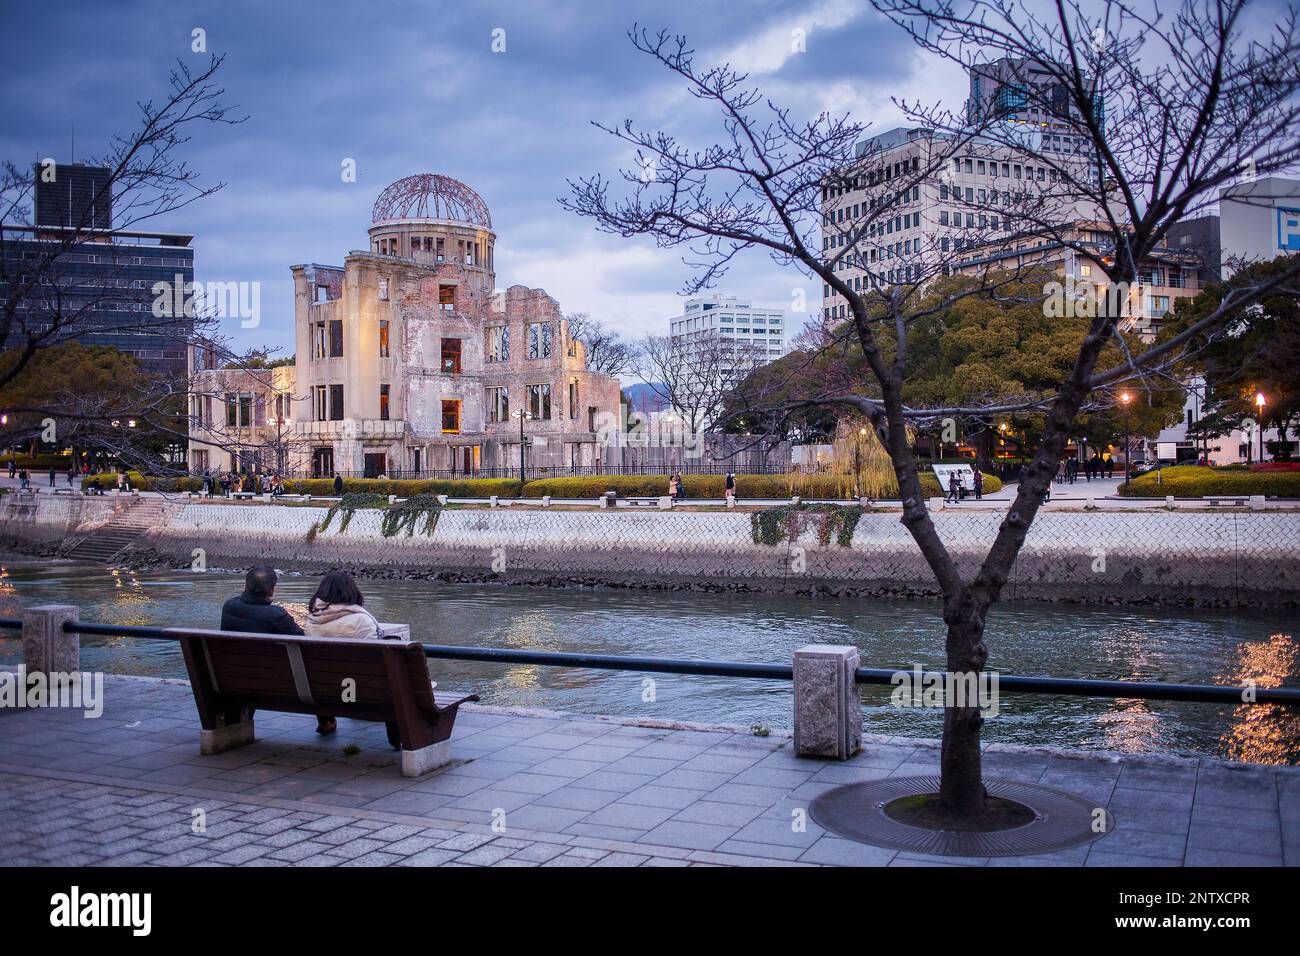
column 718, row 340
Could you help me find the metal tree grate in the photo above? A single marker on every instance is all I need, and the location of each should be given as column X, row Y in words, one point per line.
column 857, row 811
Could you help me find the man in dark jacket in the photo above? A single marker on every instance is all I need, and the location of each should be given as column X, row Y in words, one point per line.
column 338, row 485
column 253, row 612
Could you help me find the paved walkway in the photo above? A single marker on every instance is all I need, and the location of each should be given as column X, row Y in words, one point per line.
column 548, row 790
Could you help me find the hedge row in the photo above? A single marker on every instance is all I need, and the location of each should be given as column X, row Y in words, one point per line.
column 712, row 486
column 694, row 486
column 108, row 481
column 39, row 462
column 409, row 488
column 1195, row 481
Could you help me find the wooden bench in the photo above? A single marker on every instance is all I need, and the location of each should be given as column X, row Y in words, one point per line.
column 233, row 674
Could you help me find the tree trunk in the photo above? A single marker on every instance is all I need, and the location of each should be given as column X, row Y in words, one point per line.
column 961, row 788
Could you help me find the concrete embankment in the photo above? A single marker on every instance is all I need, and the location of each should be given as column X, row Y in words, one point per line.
column 1192, row 557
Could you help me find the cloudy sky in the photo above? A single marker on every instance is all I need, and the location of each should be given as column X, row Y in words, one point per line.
column 407, row 87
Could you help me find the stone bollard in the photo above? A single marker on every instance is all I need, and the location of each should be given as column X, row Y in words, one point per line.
column 1090, row 504
column 603, row 501
column 665, row 503
column 1256, row 502
column 392, row 499
column 827, row 710
column 795, row 500
column 936, row 504
column 307, row 499
column 47, row 648
column 864, row 501
column 442, row 499
column 1169, row 502
column 731, row 501
column 267, row 497
column 493, row 502
column 546, row 501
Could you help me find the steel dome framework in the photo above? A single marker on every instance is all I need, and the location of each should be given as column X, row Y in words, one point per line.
column 430, row 196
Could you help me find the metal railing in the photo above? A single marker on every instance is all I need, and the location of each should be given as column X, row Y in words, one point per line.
column 1058, row 686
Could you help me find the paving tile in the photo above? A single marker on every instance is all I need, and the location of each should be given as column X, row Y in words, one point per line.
column 837, row 852
column 431, row 857
column 629, row 816
column 723, row 814
column 693, row 836
column 577, row 798
column 656, row 795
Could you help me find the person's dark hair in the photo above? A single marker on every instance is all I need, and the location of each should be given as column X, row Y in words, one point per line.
column 337, row 587
column 260, row 580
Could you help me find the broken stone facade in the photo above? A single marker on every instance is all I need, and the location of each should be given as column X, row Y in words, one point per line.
column 409, row 361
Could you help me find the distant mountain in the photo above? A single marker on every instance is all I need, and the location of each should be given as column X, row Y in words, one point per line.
column 645, row 398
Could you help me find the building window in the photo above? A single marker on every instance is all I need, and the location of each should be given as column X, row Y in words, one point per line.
column 383, row 338
column 498, row 343
column 539, row 401
column 336, row 403
column 322, row 293
column 451, row 356
column 573, row 399
column 498, row 404
column 336, row 338
column 539, row 340
column 322, row 403
column 451, row 416
column 447, row 297
column 239, row 410
column 383, row 289
column 383, row 403
column 320, row 346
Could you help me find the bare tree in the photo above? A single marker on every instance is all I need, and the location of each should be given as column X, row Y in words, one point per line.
column 1188, row 102
column 695, row 377
column 606, row 351
column 44, row 303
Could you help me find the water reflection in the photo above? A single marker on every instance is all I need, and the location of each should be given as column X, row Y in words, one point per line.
column 1067, row 641
column 1269, row 734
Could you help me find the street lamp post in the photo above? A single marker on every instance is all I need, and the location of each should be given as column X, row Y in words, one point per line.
column 1259, row 423
column 1125, row 397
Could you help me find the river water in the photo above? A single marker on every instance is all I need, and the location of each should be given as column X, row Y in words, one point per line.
column 1034, row 639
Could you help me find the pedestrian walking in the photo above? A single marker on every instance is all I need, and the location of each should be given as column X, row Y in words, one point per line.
column 338, row 484
column 53, row 479
column 673, row 488
column 730, row 486
column 13, row 467
column 979, row 485
column 23, row 481
column 954, row 487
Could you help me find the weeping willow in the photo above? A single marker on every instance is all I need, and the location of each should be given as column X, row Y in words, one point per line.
column 860, row 463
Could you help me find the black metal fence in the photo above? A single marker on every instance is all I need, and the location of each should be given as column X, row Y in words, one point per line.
column 1063, row 686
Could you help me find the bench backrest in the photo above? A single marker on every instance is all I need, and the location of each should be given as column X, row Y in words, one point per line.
column 310, row 674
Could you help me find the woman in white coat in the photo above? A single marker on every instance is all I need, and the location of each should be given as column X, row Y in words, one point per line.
column 336, row 610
